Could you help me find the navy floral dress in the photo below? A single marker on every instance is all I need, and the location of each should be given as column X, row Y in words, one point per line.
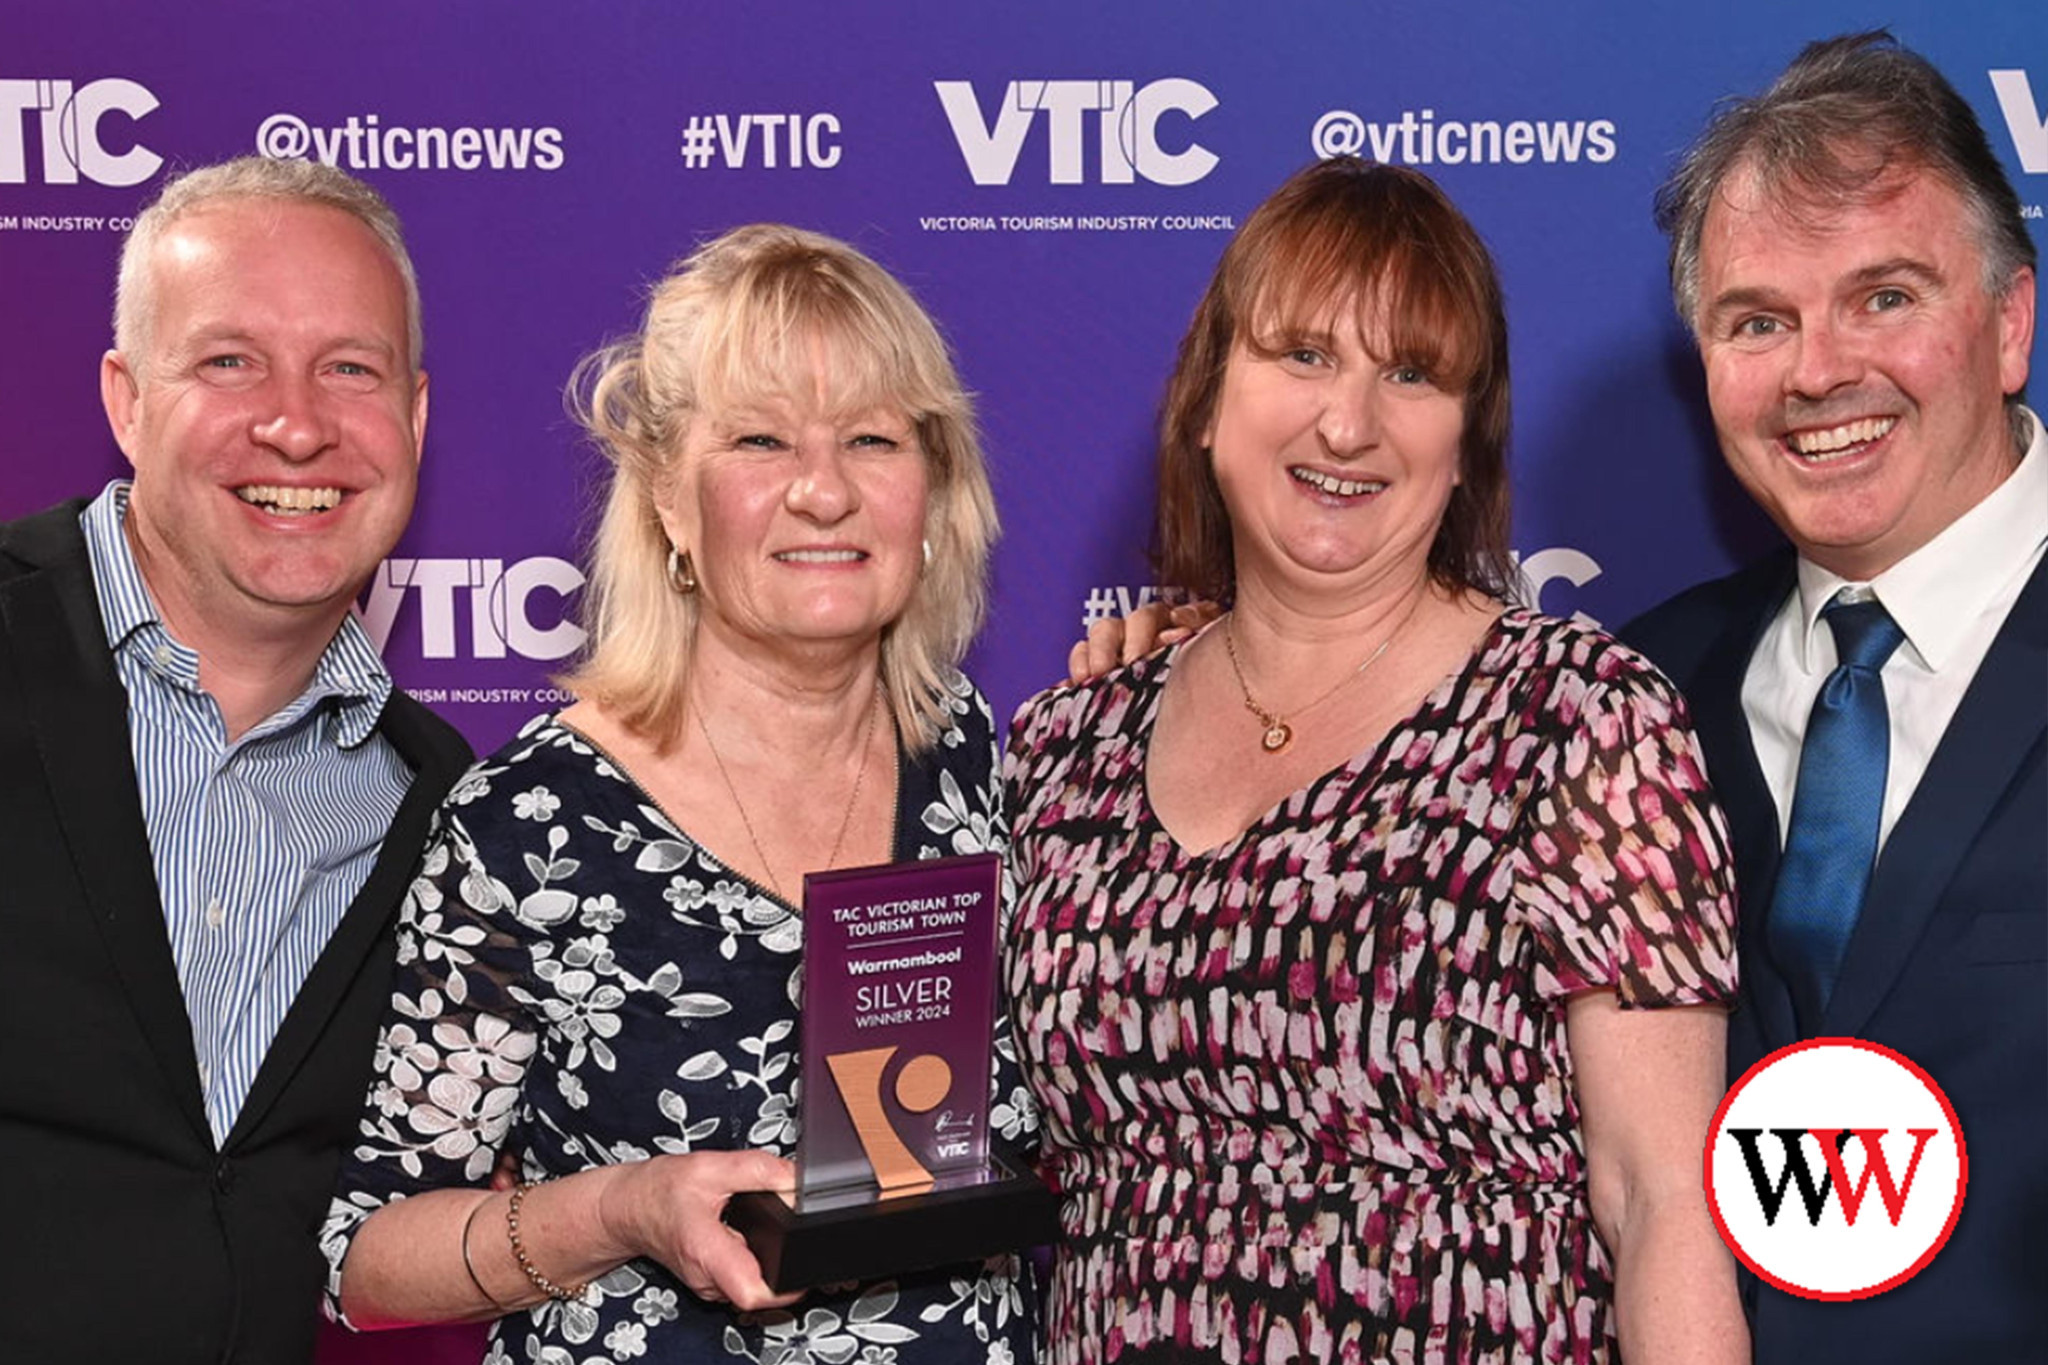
column 580, row 981
column 1308, row 1094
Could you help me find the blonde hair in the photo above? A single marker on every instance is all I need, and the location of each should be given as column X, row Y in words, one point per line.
column 244, row 178
column 753, row 315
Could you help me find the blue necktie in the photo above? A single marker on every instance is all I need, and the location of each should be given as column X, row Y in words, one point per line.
column 1832, row 841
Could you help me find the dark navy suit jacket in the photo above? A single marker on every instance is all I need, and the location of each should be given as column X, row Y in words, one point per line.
column 127, row 1233
column 1948, row 964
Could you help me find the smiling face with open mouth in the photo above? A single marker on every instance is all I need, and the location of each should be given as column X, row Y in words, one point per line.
column 1336, row 463
column 273, row 418
column 1856, row 364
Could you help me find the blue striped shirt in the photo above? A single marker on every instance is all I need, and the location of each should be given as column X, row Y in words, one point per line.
column 260, row 844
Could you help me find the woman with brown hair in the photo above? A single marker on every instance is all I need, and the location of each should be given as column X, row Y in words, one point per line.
column 1373, row 947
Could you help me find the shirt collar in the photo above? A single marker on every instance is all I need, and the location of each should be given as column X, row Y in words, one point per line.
column 1937, row 592
column 125, row 603
column 349, row 669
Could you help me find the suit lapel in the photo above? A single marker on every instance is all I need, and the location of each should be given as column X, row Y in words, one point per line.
column 1999, row 722
column 435, row 768
column 78, row 714
column 1716, row 698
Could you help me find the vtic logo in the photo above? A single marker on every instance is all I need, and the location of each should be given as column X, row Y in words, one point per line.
column 1835, row 1169
column 69, row 121
column 2023, row 119
column 1127, row 119
column 501, row 615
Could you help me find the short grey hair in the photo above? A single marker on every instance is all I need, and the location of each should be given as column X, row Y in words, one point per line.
column 252, row 177
column 1846, row 115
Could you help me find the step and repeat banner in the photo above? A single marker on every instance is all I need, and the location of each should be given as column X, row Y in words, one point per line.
column 1054, row 181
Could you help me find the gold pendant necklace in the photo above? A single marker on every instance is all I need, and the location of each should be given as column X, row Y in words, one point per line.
column 860, row 774
column 1279, row 735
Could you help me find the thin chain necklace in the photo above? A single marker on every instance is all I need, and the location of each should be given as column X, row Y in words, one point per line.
column 867, row 733
column 1279, row 736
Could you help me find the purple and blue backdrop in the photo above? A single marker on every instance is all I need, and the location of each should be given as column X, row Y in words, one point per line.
column 1054, row 181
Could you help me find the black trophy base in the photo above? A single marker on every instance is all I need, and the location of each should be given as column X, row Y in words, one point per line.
column 874, row 1238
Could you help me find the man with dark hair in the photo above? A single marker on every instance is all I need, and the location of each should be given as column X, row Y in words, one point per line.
column 211, row 795
column 1873, row 700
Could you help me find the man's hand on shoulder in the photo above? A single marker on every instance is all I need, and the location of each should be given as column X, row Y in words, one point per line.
column 1122, row 640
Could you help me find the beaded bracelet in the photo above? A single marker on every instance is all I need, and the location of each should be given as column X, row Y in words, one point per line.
column 540, row 1281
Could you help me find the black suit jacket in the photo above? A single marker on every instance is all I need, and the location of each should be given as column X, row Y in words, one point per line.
column 1948, row 964
column 125, row 1234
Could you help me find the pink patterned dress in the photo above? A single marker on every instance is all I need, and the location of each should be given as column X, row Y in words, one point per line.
column 1308, row 1094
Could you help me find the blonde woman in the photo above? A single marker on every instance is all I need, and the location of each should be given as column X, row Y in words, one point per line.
column 598, row 968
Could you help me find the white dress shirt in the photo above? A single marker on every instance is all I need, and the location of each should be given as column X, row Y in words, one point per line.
column 1950, row 597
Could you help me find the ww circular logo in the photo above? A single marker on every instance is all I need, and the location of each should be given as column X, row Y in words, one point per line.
column 1835, row 1169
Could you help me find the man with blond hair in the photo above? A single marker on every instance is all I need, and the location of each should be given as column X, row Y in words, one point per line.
column 212, row 796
